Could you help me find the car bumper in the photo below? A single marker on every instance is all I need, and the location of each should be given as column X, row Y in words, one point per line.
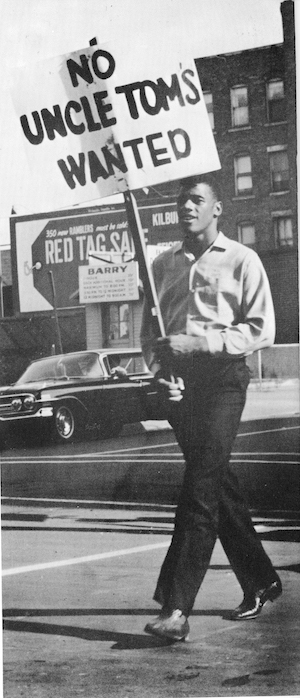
column 42, row 413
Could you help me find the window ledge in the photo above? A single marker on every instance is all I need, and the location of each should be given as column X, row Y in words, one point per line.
column 275, row 123
column 239, row 128
column 279, row 193
column 243, row 196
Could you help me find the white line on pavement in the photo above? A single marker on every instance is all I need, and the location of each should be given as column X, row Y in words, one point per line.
column 137, row 461
column 86, row 558
column 267, row 431
column 156, row 456
column 136, row 448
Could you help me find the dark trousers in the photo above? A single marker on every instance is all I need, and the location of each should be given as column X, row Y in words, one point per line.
column 210, row 504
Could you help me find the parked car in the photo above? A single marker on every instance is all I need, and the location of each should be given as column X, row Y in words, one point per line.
column 69, row 396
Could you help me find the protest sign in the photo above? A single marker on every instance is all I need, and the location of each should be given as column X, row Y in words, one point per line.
column 91, row 131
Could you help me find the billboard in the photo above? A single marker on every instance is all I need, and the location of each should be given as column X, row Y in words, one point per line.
column 63, row 241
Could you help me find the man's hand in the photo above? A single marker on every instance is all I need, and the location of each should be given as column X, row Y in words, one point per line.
column 174, row 388
column 179, row 346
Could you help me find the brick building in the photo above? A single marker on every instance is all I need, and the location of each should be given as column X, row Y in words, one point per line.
column 251, row 101
column 251, row 98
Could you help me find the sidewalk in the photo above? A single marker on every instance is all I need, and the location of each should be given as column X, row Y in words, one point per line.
column 264, row 401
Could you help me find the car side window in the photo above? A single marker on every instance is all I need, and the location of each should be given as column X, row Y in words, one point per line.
column 123, row 365
column 117, row 366
column 90, row 366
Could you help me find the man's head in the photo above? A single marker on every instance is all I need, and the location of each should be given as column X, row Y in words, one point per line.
column 199, row 207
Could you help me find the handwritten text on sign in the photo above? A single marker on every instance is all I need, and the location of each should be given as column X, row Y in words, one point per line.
column 108, row 283
column 87, row 134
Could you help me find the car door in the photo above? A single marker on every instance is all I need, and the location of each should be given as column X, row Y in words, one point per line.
column 126, row 386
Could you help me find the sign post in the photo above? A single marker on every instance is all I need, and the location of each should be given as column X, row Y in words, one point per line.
column 144, row 269
column 60, row 347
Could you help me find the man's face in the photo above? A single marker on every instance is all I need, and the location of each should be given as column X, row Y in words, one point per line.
column 198, row 212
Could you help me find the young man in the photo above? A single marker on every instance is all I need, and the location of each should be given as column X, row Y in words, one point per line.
column 217, row 308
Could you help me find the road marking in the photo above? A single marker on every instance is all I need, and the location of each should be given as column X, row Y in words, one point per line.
column 162, row 454
column 163, row 460
column 267, row 431
column 99, row 453
column 86, row 558
column 94, row 454
column 265, row 453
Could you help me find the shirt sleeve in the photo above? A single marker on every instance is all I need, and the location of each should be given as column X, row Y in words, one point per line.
column 256, row 328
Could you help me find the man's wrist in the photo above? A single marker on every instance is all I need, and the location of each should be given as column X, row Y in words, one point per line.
column 155, row 367
column 199, row 345
column 215, row 343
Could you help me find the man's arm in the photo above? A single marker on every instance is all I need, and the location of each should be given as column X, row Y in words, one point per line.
column 256, row 328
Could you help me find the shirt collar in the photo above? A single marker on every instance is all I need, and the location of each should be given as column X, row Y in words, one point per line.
column 220, row 243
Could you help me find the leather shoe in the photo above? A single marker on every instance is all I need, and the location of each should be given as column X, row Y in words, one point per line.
column 172, row 626
column 252, row 604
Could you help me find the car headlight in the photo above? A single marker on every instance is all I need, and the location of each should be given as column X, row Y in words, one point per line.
column 29, row 401
column 16, row 404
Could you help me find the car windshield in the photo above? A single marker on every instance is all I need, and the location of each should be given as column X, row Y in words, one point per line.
column 63, row 367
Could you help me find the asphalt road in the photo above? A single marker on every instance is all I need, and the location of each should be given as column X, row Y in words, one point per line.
column 79, row 572
column 145, row 464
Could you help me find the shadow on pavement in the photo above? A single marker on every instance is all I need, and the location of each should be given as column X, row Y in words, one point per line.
column 46, row 612
column 122, row 640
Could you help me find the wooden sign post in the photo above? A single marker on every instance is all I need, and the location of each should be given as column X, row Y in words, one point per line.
column 144, row 267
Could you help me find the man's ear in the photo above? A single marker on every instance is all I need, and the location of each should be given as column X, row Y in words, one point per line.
column 218, row 208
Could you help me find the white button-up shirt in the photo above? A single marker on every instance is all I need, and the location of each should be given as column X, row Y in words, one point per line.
column 224, row 295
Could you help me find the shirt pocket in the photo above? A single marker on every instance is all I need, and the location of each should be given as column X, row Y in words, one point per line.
column 206, row 288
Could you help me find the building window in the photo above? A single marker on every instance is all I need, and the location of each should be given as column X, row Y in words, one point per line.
column 279, row 170
column 208, row 99
column 246, row 234
column 283, row 231
column 118, row 321
column 239, row 106
column 243, row 175
column 275, row 101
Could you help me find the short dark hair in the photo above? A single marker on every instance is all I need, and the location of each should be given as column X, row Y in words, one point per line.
column 210, row 179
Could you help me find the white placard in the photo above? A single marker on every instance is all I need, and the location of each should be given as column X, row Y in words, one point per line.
column 90, row 130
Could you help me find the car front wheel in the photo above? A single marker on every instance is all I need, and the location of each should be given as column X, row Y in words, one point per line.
column 67, row 425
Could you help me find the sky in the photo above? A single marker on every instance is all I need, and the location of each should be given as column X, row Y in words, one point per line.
column 142, row 31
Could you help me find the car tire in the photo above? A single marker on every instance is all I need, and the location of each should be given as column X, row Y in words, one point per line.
column 68, row 425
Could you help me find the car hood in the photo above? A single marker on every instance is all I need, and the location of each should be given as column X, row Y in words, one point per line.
column 35, row 387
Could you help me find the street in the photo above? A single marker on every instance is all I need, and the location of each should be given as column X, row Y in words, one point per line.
column 145, row 464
